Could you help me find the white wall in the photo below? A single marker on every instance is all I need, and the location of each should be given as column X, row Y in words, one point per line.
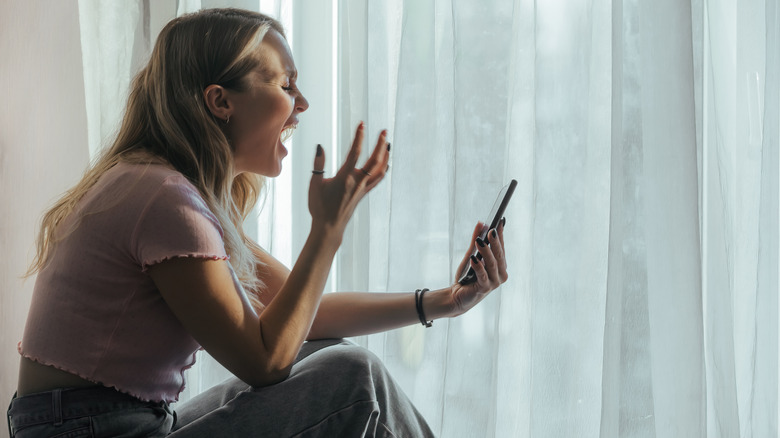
column 43, row 147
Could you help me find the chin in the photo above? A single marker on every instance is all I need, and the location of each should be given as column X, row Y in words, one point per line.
column 272, row 172
column 268, row 173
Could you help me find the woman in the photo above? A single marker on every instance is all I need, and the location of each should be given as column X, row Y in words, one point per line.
column 144, row 262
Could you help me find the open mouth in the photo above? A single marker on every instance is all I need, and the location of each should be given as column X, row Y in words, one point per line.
column 287, row 132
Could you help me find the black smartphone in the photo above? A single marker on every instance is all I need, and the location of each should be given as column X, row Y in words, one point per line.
column 467, row 275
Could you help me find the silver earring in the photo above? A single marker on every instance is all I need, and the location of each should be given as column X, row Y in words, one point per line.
column 227, row 120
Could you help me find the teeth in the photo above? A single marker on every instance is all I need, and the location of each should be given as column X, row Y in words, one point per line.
column 288, row 132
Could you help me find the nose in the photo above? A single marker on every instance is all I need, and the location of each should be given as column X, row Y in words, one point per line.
column 301, row 104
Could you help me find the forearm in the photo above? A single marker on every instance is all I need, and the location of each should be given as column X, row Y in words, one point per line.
column 345, row 314
column 287, row 319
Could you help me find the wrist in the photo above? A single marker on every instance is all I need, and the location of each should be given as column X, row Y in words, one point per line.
column 325, row 236
column 438, row 304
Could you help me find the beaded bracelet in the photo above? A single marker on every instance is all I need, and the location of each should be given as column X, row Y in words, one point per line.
column 418, row 297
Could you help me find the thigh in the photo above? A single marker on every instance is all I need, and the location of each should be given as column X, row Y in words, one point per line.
column 342, row 390
column 220, row 395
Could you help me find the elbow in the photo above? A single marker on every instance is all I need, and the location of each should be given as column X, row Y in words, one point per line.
column 277, row 374
column 264, row 369
column 269, row 376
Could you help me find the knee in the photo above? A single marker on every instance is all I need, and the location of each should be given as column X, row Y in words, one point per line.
column 345, row 365
column 349, row 357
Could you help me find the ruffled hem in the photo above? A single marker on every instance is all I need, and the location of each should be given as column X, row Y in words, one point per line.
column 145, row 266
column 89, row 379
column 185, row 368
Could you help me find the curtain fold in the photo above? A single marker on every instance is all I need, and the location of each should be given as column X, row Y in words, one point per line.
column 764, row 416
column 671, row 214
column 627, row 403
column 514, row 355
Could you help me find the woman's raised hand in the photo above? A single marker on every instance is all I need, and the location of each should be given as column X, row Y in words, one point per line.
column 333, row 200
column 490, row 271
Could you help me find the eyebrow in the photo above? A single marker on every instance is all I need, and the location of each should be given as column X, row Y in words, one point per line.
column 290, row 72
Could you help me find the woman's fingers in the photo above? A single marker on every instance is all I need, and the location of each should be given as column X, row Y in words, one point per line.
column 493, row 262
column 376, row 166
column 379, row 155
column 319, row 164
column 354, row 151
column 477, row 231
column 502, row 267
column 480, row 271
column 485, row 248
column 489, row 268
column 497, row 248
column 500, row 229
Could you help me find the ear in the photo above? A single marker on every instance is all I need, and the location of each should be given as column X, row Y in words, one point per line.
column 217, row 101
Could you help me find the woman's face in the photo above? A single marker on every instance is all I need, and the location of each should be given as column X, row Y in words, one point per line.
column 270, row 105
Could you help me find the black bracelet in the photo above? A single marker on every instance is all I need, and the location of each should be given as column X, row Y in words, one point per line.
column 418, row 297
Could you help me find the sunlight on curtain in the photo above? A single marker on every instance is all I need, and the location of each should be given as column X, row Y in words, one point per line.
column 114, row 46
column 482, row 94
column 642, row 239
column 641, row 301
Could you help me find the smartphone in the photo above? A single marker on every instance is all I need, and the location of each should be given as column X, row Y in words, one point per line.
column 496, row 213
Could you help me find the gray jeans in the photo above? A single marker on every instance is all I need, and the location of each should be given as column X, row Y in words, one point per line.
column 334, row 389
column 340, row 391
column 87, row 412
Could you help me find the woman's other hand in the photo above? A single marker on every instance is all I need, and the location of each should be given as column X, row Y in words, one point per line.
column 333, row 200
column 490, row 271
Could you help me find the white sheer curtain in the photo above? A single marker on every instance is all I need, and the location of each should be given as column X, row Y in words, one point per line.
column 642, row 240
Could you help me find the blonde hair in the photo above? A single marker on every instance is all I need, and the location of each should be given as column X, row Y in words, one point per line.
column 167, row 120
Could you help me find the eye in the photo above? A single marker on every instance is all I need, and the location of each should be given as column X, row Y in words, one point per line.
column 290, row 89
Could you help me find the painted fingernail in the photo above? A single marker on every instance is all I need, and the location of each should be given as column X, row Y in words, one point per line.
column 388, row 146
column 493, row 233
column 474, row 259
column 480, row 242
column 319, row 150
column 503, row 221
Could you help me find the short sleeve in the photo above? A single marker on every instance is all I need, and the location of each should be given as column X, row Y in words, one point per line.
column 176, row 222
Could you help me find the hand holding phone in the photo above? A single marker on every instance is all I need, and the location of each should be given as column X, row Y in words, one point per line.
column 496, row 213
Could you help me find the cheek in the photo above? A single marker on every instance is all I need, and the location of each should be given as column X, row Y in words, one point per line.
column 266, row 121
column 282, row 107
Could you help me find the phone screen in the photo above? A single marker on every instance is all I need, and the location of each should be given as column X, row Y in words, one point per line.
column 496, row 213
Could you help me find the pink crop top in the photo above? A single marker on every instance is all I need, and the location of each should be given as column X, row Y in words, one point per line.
column 95, row 312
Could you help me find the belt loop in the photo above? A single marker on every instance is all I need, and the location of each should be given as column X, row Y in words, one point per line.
column 56, row 401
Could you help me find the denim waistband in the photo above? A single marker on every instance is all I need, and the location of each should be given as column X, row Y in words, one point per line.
column 64, row 404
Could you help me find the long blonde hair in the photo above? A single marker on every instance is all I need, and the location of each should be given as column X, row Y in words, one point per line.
column 167, row 120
